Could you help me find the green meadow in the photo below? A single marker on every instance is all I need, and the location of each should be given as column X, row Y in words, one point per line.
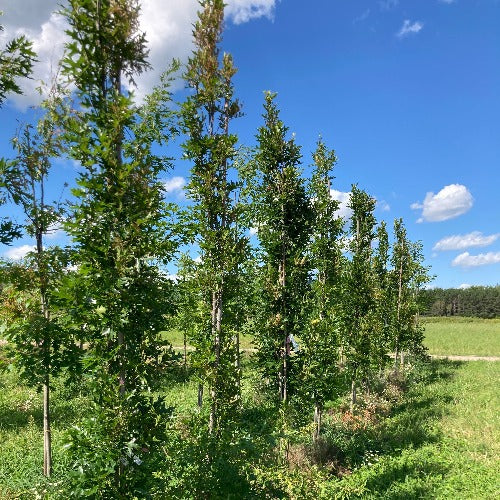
column 435, row 434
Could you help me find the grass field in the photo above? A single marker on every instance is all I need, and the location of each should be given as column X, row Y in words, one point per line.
column 449, row 433
column 441, row 440
column 462, row 336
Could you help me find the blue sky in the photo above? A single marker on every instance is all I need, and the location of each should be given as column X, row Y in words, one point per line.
column 406, row 92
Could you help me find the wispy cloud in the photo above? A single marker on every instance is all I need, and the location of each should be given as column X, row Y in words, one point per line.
column 461, row 242
column 362, row 17
column 388, row 4
column 482, row 259
column 383, row 205
column 453, row 200
column 242, row 11
column 409, row 28
column 447, row 1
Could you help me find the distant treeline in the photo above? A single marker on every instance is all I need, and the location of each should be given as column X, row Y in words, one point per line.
column 478, row 301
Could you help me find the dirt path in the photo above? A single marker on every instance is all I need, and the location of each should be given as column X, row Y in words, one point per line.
column 452, row 357
column 455, row 357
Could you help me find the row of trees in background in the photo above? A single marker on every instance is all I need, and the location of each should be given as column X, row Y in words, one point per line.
column 98, row 308
column 475, row 301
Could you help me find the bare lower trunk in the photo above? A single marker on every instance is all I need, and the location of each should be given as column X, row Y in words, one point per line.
column 317, row 421
column 217, row 331
column 353, row 395
column 285, row 370
column 396, row 355
column 200, row 395
column 185, row 352
column 237, row 363
column 47, row 439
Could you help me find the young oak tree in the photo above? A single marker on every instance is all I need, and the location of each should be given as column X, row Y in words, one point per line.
column 358, row 297
column 319, row 340
column 283, row 216
column 40, row 346
column 408, row 277
column 384, row 298
column 210, row 146
column 119, row 226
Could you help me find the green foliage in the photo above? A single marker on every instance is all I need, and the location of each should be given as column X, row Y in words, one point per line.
column 320, row 340
column 409, row 277
column 358, row 288
column 16, row 61
column 119, row 223
column 214, row 220
column 283, row 215
column 476, row 301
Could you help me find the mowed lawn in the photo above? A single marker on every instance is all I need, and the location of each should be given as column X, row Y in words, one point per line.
column 462, row 336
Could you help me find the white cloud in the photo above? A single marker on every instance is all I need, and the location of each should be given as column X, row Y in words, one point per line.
column 409, row 28
column 384, row 206
column 343, row 198
column 242, row 11
column 453, row 200
column 174, row 185
column 464, row 286
column 253, row 231
column 168, row 27
column 460, row 242
column 482, row 259
column 18, row 253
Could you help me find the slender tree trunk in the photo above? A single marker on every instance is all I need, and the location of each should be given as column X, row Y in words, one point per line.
column 400, row 291
column 353, row 394
column 47, row 438
column 237, row 363
column 318, row 410
column 185, row 352
column 217, row 330
column 200, row 395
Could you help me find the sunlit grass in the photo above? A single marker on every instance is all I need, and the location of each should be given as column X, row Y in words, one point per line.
column 462, row 336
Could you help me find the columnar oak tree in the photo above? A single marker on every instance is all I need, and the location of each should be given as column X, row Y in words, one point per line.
column 118, row 224
column 409, row 276
column 358, row 289
column 283, row 218
column 207, row 114
column 320, row 341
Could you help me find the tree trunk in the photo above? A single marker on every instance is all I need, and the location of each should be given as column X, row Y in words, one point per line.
column 200, row 395
column 217, row 331
column 400, row 292
column 47, row 438
column 353, row 394
column 237, row 363
column 317, row 420
column 185, row 352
